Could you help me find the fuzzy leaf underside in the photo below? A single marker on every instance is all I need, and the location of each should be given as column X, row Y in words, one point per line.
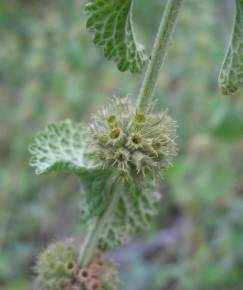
column 231, row 75
column 111, row 23
column 135, row 210
column 60, row 147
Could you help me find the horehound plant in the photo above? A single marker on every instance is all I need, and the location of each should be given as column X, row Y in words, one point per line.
column 121, row 156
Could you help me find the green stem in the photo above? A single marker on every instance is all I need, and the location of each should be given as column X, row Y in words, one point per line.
column 159, row 52
column 160, row 49
column 98, row 226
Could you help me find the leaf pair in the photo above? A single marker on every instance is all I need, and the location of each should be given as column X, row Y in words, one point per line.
column 65, row 146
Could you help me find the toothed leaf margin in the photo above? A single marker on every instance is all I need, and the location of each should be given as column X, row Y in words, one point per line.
column 111, row 23
column 62, row 146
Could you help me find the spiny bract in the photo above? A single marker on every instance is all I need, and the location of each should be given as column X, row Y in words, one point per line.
column 57, row 266
column 135, row 144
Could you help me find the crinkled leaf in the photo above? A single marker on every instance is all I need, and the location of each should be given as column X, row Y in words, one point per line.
column 61, row 146
column 64, row 146
column 135, row 210
column 231, row 75
column 111, row 22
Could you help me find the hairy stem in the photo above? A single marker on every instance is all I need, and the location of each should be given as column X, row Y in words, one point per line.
column 159, row 52
column 97, row 227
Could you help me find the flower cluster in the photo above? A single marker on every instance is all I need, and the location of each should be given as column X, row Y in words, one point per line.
column 58, row 269
column 57, row 266
column 132, row 143
column 101, row 274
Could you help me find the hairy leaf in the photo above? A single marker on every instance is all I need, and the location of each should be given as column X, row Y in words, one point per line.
column 61, row 146
column 111, row 22
column 231, row 75
column 64, row 146
column 135, row 210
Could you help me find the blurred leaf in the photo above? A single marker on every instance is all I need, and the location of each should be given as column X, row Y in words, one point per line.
column 227, row 123
column 19, row 285
column 231, row 75
column 197, row 181
column 5, row 266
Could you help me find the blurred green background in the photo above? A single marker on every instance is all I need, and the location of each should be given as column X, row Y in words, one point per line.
column 50, row 70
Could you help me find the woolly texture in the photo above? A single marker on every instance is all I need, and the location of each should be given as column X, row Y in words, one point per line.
column 134, row 144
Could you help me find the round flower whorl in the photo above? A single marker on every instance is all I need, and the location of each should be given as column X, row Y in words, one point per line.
column 133, row 144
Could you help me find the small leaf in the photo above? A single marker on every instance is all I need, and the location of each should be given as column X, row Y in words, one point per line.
column 111, row 22
column 231, row 75
column 61, row 146
column 135, row 210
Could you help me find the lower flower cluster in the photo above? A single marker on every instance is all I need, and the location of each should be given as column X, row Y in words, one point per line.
column 58, row 269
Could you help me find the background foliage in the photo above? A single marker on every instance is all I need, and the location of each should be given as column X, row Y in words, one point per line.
column 50, row 70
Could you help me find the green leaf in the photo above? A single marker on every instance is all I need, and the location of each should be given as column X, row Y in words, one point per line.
column 231, row 75
column 111, row 22
column 135, row 211
column 61, row 146
column 64, row 146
